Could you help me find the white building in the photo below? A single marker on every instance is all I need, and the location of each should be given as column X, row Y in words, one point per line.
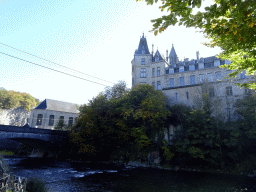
column 48, row 113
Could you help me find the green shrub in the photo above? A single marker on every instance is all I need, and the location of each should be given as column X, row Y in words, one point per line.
column 35, row 185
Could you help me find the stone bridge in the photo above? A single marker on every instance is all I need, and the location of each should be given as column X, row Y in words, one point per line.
column 45, row 140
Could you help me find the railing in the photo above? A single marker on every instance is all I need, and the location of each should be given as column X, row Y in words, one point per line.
column 9, row 181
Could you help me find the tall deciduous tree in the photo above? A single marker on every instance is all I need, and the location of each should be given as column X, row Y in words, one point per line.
column 229, row 24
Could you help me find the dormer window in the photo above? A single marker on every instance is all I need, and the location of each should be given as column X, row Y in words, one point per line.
column 142, row 61
column 157, row 59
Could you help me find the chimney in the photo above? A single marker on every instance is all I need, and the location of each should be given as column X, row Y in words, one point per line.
column 152, row 52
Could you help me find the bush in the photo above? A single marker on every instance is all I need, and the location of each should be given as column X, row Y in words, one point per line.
column 35, row 185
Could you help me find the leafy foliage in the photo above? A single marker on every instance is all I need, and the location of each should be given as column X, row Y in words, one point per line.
column 120, row 123
column 13, row 99
column 230, row 25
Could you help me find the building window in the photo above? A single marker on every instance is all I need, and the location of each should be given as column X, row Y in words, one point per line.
column 153, row 83
column 218, row 76
column 229, row 90
column 247, row 91
column 142, row 61
column 192, row 80
column 61, row 120
column 242, row 75
column 157, row 59
column 181, row 69
column 187, row 95
column 158, row 71
column 132, row 68
column 158, row 85
column 191, row 67
column 201, row 78
column 182, row 81
column 211, row 92
column 172, row 82
column 228, row 72
column 143, row 73
column 176, row 96
column 209, row 77
column 70, row 121
column 51, row 120
column 39, row 119
column 132, row 81
column 153, row 72
column 171, row 71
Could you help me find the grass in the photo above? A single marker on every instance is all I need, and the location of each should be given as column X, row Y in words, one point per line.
column 5, row 152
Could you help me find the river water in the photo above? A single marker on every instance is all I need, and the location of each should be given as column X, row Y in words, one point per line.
column 64, row 176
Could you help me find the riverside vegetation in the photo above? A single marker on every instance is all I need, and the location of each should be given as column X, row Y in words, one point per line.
column 129, row 124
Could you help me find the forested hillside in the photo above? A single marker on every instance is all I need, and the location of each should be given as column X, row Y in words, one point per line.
column 13, row 99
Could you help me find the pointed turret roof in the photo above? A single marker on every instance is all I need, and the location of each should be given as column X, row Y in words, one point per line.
column 173, row 56
column 158, row 55
column 143, row 46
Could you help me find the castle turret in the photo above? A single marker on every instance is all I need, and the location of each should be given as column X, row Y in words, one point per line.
column 173, row 56
column 141, row 71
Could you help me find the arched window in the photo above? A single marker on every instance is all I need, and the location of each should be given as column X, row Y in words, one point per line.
column 70, row 121
column 39, row 119
column 61, row 120
column 51, row 120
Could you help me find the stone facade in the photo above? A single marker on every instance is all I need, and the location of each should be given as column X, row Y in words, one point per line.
column 186, row 81
column 48, row 113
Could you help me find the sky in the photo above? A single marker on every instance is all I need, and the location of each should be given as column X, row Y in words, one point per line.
column 96, row 38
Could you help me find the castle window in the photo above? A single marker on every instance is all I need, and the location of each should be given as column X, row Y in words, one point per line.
column 51, row 120
column 192, row 80
column 229, row 90
column 158, row 71
column 70, row 121
column 209, row 77
column 191, row 67
column 158, row 85
column 218, row 76
column 201, row 78
column 171, row 71
column 182, row 81
column 153, row 72
column 142, row 61
column 242, row 75
column 211, row 92
column 143, row 73
column 228, row 72
column 176, row 96
column 153, row 83
column 181, row 69
column 157, row 59
column 187, row 95
column 247, row 91
column 172, row 82
column 39, row 119
column 132, row 68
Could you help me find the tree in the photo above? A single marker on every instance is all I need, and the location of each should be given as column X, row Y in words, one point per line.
column 229, row 24
column 120, row 123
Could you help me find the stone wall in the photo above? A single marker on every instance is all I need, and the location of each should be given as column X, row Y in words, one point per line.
column 17, row 116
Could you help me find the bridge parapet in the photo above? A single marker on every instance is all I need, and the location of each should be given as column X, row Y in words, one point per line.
column 10, row 128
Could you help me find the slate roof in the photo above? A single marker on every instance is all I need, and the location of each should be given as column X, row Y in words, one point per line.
column 55, row 105
column 157, row 54
column 173, row 55
column 143, row 46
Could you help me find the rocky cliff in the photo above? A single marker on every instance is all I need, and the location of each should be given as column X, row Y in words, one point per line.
column 17, row 116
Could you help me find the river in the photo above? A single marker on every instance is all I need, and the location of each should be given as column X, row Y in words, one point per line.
column 64, row 176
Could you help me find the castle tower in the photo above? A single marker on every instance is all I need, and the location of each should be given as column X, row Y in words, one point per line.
column 173, row 56
column 141, row 63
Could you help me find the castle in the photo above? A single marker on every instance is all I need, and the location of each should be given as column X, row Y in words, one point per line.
column 184, row 81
